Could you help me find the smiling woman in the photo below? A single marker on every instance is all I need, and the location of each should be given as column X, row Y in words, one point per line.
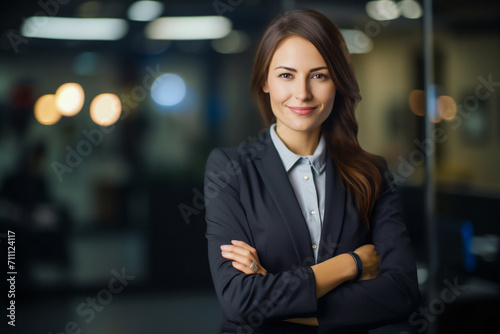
column 304, row 232
column 301, row 94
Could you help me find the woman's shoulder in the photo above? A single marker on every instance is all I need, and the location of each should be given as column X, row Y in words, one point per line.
column 227, row 153
column 382, row 163
column 387, row 178
column 246, row 151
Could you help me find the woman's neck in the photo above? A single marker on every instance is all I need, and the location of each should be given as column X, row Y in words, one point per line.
column 299, row 142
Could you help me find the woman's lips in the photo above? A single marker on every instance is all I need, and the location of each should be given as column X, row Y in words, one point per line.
column 302, row 110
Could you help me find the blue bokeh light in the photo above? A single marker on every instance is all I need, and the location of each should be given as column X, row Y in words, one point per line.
column 168, row 89
column 86, row 63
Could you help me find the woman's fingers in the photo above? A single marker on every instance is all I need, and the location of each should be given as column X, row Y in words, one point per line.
column 239, row 262
column 247, row 251
column 243, row 256
column 242, row 268
column 238, row 258
column 244, row 245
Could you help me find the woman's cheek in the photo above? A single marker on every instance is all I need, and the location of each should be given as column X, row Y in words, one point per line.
column 280, row 93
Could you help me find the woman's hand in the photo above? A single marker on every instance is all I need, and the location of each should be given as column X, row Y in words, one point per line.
column 370, row 259
column 243, row 255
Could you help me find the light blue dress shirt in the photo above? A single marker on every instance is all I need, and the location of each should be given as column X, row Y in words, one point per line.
column 307, row 176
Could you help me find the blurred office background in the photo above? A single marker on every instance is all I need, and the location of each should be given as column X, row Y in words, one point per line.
column 113, row 187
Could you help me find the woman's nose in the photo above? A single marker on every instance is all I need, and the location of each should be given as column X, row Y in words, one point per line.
column 302, row 90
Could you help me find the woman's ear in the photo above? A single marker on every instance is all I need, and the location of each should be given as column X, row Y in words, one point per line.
column 265, row 88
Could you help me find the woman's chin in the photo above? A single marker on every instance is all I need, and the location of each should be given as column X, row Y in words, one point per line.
column 303, row 126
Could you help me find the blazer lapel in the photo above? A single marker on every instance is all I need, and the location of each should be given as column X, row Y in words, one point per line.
column 273, row 173
column 335, row 206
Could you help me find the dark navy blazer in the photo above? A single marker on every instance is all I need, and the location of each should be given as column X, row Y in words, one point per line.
column 249, row 197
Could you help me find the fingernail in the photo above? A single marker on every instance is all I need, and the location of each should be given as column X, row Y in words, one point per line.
column 223, row 247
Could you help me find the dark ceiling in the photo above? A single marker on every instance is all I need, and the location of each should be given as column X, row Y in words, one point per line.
column 252, row 15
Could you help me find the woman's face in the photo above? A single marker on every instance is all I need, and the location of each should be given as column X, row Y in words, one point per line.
column 300, row 87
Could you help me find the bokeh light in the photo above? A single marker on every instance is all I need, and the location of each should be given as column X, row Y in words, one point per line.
column 69, row 99
column 357, row 41
column 71, row 28
column 382, row 10
column 436, row 119
column 189, row 27
column 168, row 89
column 89, row 9
column 236, row 42
column 447, row 107
column 410, row 9
column 105, row 109
column 86, row 63
column 417, row 102
column 422, row 275
column 45, row 110
column 145, row 10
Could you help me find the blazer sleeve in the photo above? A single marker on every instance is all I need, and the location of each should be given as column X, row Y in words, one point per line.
column 393, row 295
column 275, row 296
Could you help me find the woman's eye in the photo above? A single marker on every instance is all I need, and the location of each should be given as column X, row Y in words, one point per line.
column 286, row 75
column 320, row 76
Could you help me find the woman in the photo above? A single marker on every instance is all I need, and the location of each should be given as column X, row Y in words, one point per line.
column 303, row 226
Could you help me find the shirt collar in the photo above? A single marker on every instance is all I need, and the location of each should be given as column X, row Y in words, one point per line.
column 289, row 159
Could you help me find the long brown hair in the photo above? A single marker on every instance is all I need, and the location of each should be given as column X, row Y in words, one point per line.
column 360, row 170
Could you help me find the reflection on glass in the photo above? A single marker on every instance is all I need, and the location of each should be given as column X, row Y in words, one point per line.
column 69, row 99
column 45, row 110
column 105, row 109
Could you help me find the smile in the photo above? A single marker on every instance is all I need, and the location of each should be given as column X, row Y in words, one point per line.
column 302, row 110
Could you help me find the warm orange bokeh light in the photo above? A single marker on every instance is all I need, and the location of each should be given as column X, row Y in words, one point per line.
column 417, row 102
column 436, row 120
column 45, row 110
column 69, row 99
column 105, row 109
column 447, row 107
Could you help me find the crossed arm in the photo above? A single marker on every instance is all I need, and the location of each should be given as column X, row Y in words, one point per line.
column 327, row 275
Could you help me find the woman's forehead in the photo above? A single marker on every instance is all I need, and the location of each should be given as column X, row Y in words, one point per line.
column 296, row 51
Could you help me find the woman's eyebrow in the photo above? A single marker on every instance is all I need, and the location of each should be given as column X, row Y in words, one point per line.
column 294, row 70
